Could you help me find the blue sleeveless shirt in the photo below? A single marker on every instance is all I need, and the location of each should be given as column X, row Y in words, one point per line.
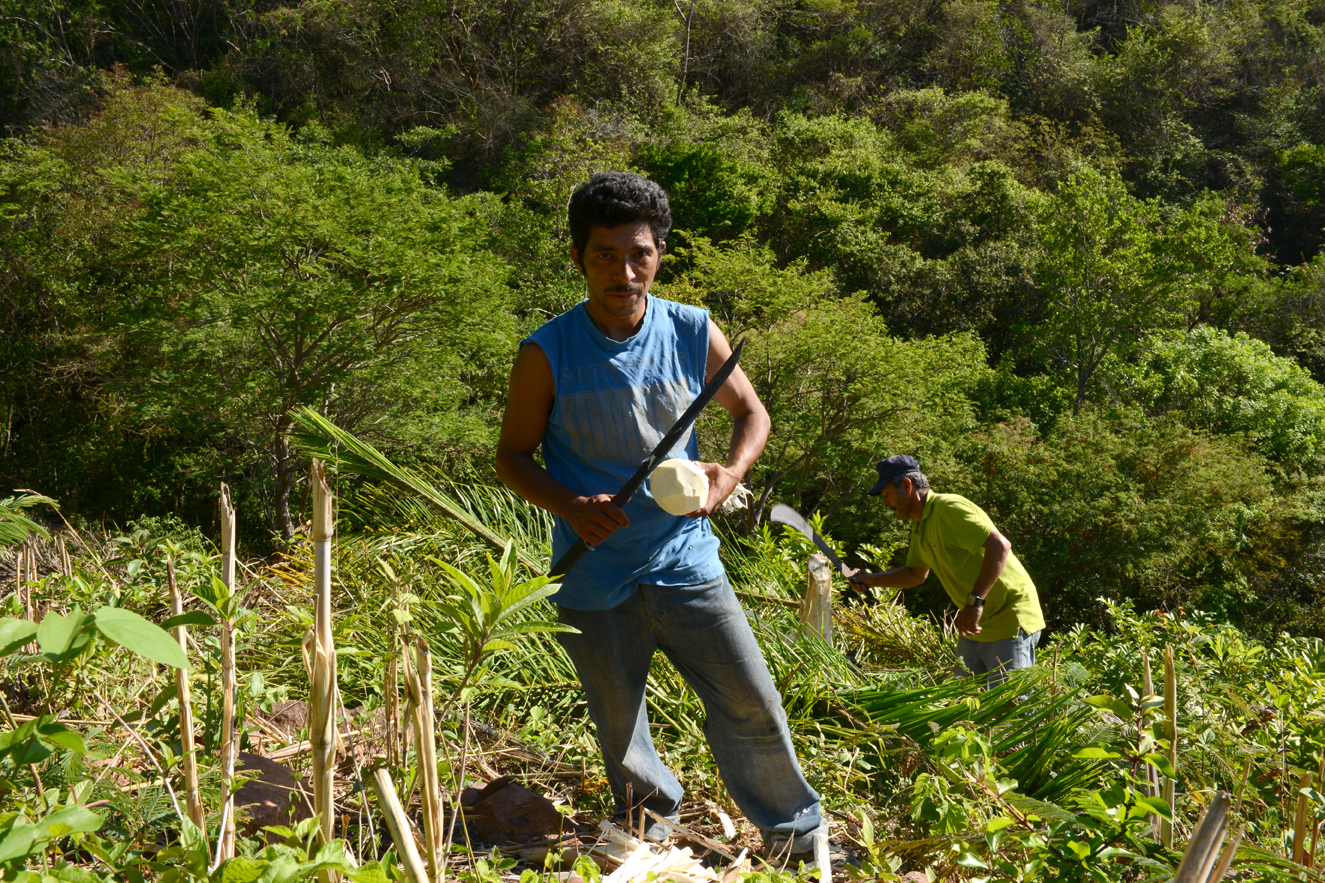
column 614, row 402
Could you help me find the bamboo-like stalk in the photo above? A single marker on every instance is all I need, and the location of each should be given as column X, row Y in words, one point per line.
column 1226, row 858
column 1300, row 821
column 418, row 682
column 402, row 834
column 1315, row 823
column 225, row 846
column 1171, row 734
column 322, row 701
column 1203, row 849
column 190, row 759
column 390, row 688
column 1152, row 775
column 817, row 605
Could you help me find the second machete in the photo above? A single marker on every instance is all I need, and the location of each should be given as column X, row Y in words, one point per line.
column 576, row 552
column 791, row 518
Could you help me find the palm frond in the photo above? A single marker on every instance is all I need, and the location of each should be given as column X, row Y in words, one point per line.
column 15, row 527
column 316, row 436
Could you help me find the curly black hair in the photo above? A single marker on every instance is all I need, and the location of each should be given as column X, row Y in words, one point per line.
column 610, row 199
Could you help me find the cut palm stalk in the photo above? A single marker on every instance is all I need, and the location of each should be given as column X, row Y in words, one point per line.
column 817, row 606
column 1203, row 849
column 1152, row 774
column 1315, row 823
column 398, row 824
column 225, row 846
column 1300, row 822
column 1226, row 858
column 1171, row 734
column 389, row 689
column 418, row 683
column 322, row 700
column 190, row 759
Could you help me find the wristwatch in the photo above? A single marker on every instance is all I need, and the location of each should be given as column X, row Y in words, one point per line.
column 974, row 600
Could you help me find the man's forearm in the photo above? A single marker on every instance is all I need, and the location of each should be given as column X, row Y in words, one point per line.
column 997, row 549
column 898, row 578
column 522, row 474
column 749, row 435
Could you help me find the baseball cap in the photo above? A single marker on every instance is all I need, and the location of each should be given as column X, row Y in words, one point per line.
column 895, row 466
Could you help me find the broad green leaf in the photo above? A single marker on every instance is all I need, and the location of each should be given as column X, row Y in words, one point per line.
column 61, row 735
column 1094, row 752
column 239, row 870
column 190, row 617
column 1161, row 763
column 1110, row 703
column 14, row 633
column 132, row 632
column 971, row 860
column 1157, row 805
column 71, row 820
column 18, row 841
column 998, row 823
column 62, row 637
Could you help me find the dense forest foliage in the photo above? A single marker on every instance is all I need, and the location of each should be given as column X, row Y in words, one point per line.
column 1069, row 255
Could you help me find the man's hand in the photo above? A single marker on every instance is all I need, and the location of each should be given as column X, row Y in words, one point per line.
column 722, row 481
column 857, row 579
column 596, row 518
column 968, row 620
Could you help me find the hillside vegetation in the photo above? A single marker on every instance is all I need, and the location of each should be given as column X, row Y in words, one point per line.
column 1069, row 255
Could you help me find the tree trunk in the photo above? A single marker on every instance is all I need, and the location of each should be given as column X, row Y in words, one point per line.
column 287, row 470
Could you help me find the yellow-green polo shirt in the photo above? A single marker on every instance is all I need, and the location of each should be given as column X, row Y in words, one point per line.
column 950, row 540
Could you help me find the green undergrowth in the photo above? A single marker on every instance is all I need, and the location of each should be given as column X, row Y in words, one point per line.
column 1044, row 778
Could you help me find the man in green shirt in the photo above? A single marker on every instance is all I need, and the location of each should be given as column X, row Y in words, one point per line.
column 999, row 618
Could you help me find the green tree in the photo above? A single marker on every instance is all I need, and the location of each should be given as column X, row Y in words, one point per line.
column 1114, row 268
column 1229, row 383
column 235, row 272
column 839, row 388
column 287, row 272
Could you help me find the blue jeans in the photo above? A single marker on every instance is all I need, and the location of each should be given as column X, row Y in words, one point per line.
column 994, row 659
column 704, row 633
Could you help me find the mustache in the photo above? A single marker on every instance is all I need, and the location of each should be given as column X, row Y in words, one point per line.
column 625, row 289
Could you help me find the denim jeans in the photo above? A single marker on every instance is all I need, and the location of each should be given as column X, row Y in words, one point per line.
column 995, row 659
column 704, row 633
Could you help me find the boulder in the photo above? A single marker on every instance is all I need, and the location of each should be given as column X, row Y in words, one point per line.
column 274, row 797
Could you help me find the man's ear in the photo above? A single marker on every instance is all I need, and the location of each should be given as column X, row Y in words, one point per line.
column 575, row 259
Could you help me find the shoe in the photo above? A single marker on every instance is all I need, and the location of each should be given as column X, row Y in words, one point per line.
column 808, row 849
column 653, row 829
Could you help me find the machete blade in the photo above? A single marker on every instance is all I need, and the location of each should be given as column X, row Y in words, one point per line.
column 784, row 514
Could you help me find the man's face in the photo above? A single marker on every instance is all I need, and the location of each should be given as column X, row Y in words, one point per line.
column 619, row 263
column 896, row 497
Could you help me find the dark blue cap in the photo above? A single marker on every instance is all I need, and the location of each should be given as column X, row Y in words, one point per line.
column 894, row 467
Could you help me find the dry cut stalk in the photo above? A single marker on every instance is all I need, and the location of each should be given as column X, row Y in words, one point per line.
column 225, row 845
column 1226, row 858
column 418, row 683
column 1171, row 734
column 1152, row 774
column 1203, row 849
column 402, row 834
column 1315, row 824
column 190, row 758
column 1300, row 822
column 817, row 607
column 322, row 701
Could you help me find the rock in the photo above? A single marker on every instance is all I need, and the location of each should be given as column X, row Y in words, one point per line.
column 272, row 798
column 915, row 877
column 503, row 810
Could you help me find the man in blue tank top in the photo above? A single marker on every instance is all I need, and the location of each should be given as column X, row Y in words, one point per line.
column 597, row 388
